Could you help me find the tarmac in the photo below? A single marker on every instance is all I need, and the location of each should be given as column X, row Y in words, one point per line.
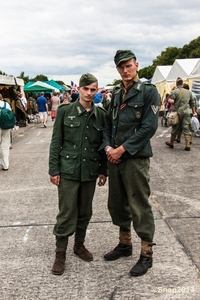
column 27, row 216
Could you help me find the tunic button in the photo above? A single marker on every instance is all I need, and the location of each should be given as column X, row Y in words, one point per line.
column 67, row 156
column 84, row 159
column 71, row 125
column 85, row 148
column 86, row 137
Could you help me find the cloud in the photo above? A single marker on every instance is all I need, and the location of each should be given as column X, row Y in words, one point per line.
column 66, row 39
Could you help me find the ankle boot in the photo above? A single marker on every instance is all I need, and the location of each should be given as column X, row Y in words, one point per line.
column 82, row 252
column 124, row 248
column 59, row 263
column 145, row 261
column 178, row 137
column 187, row 142
column 171, row 142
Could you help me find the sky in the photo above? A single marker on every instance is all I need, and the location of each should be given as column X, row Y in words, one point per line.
column 64, row 39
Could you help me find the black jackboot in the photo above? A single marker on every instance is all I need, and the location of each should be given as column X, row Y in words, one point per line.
column 124, row 248
column 145, row 261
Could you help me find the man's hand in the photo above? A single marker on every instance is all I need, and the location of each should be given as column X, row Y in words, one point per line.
column 114, row 155
column 55, row 179
column 102, row 180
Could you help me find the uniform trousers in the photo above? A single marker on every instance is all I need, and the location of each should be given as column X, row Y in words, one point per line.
column 128, row 197
column 5, row 146
column 75, row 210
column 184, row 125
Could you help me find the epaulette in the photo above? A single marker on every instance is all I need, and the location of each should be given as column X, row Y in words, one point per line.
column 116, row 89
column 62, row 104
column 102, row 108
column 148, row 83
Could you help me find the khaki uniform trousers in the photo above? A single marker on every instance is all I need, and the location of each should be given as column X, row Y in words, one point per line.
column 128, row 197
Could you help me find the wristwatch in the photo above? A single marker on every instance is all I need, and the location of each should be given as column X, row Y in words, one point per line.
column 108, row 149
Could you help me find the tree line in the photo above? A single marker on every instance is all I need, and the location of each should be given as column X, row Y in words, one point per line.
column 166, row 57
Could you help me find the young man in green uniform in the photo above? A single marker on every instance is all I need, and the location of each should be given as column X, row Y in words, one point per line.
column 131, row 121
column 74, row 166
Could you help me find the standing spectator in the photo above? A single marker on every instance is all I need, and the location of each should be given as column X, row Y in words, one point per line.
column 97, row 99
column 74, row 96
column 66, row 97
column 131, row 121
column 42, row 108
column 5, row 140
column 23, row 100
column 55, row 101
column 181, row 100
column 74, row 166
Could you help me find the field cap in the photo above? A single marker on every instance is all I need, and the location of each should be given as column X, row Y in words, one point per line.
column 87, row 79
column 123, row 55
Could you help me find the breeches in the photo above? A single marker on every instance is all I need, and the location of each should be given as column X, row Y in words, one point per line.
column 75, row 208
column 183, row 126
column 128, row 197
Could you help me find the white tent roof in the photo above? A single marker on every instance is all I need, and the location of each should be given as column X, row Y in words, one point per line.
column 160, row 74
column 43, row 84
column 183, row 68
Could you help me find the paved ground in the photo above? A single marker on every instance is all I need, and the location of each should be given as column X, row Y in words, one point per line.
column 28, row 210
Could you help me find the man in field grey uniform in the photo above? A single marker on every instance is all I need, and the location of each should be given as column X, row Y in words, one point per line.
column 74, row 166
column 131, row 121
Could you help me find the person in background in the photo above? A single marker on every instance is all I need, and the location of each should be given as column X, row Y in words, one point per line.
column 42, row 107
column 178, row 136
column 74, row 166
column 55, row 101
column 97, row 99
column 74, row 96
column 182, row 101
column 66, row 97
column 5, row 140
column 131, row 121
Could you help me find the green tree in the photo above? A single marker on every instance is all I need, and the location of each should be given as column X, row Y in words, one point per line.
column 146, row 72
column 167, row 57
column 40, row 78
column 25, row 78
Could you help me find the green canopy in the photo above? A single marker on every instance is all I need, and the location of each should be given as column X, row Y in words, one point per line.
column 37, row 89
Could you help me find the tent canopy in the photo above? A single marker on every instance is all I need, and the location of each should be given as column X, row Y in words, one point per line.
column 39, row 86
column 56, row 85
column 37, row 89
column 183, row 68
column 160, row 74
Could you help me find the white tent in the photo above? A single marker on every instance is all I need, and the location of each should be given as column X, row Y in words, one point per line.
column 159, row 79
column 188, row 69
column 160, row 74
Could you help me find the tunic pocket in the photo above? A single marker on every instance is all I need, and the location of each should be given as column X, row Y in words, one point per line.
column 68, row 163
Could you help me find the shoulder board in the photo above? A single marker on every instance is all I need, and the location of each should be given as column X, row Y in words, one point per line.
column 148, row 83
column 63, row 104
column 102, row 108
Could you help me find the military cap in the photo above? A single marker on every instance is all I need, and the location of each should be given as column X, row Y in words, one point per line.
column 87, row 79
column 123, row 55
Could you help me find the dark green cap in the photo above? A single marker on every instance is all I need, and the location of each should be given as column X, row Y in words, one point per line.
column 87, row 79
column 123, row 55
